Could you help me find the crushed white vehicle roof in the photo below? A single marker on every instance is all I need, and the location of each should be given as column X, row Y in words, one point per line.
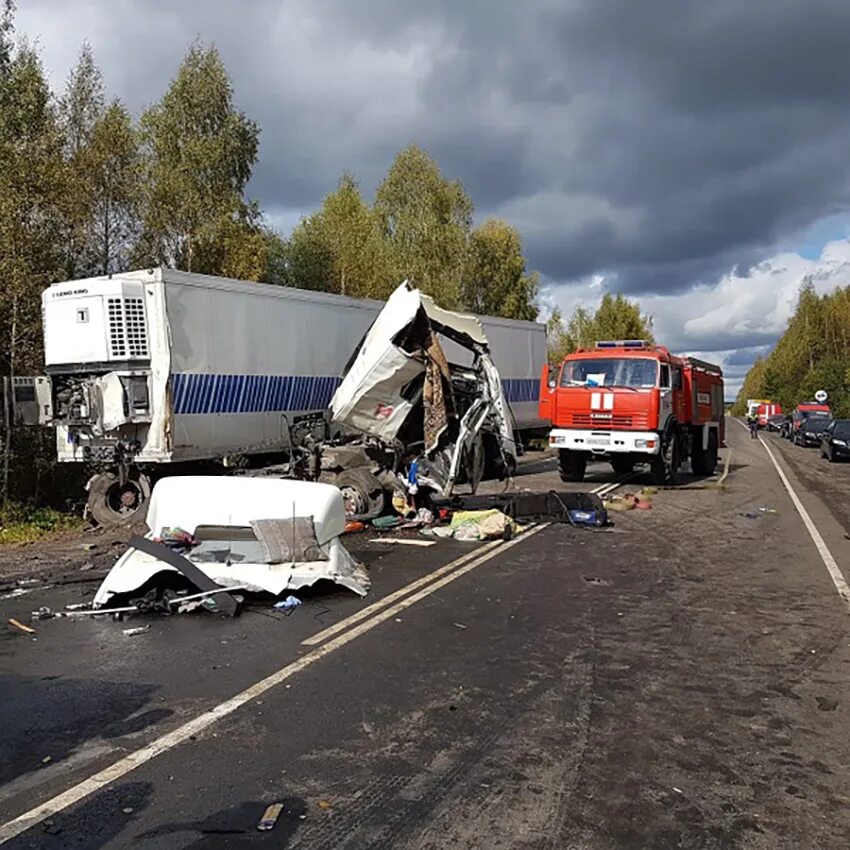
column 223, row 503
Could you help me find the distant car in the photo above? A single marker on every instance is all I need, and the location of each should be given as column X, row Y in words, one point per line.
column 808, row 434
column 835, row 440
column 774, row 423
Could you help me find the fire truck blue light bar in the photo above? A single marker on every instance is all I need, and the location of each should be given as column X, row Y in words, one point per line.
column 622, row 343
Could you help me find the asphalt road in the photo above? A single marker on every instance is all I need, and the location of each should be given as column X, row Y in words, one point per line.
column 678, row 682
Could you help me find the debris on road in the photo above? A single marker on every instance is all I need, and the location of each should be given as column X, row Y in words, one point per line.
column 47, row 760
column 405, row 541
column 288, row 604
column 138, row 630
column 827, row 703
column 19, row 625
column 270, row 817
column 151, row 602
column 620, row 504
column 260, row 534
column 383, row 522
column 553, row 506
column 483, row 525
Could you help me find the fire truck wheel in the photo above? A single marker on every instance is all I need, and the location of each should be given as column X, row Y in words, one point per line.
column 111, row 503
column 571, row 465
column 623, row 465
column 665, row 465
column 704, row 462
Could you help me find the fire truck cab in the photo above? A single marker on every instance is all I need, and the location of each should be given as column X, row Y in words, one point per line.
column 627, row 401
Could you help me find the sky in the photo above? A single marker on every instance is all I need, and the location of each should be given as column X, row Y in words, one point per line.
column 693, row 156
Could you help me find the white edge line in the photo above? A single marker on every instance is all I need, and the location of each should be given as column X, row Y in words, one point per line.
column 823, row 550
column 605, row 489
column 130, row 762
column 330, row 631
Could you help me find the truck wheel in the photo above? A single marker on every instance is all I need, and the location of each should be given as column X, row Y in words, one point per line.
column 111, row 503
column 704, row 461
column 571, row 465
column 665, row 466
column 622, row 464
column 362, row 493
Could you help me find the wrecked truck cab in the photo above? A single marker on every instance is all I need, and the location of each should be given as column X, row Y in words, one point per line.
column 423, row 384
column 259, row 534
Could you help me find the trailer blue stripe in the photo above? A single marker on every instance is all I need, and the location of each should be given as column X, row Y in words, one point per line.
column 177, row 382
column 230, row 403
column 184, row 392
column 297, row 402
column 192, row 392
column 519, row 390
column 202, row 393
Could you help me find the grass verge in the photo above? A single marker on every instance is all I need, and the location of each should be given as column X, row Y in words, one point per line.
column 25, row 523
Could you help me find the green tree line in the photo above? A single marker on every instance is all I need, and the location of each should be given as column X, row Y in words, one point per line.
column 419, row 227
column 813, row 354
column 617, row 317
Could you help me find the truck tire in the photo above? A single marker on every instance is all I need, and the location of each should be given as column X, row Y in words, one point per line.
column 623, row 464
column 362, row 493
column 665, row 465
column 704, row 461
column 111, row 503
column 571, row 465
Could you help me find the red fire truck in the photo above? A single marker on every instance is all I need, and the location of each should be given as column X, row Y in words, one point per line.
column 627, row 401
column 765, row 411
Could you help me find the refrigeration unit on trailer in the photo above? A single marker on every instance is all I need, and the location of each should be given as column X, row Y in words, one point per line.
column 156, row 367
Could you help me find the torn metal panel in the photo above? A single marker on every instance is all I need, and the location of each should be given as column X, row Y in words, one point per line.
column 401, row 389
column 220, row 512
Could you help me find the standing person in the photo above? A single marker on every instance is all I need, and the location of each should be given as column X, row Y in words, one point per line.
column 753, row 422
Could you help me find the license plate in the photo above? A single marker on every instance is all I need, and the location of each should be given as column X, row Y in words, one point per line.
column 598, row 441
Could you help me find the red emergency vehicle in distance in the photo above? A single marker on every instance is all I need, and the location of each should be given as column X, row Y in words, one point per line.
column 765, row 411
column 805, row 409
column 627, row 401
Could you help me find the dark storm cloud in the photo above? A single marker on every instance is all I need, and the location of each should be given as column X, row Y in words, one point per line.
column 660, row 142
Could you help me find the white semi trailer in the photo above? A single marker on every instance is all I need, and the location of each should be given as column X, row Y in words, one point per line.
column 157, row 366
